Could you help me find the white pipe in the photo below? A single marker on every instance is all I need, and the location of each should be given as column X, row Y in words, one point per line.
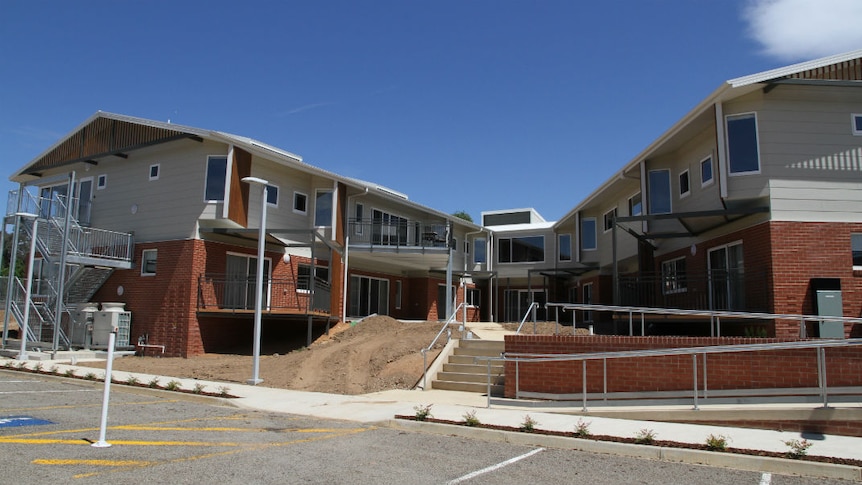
column 106, row 395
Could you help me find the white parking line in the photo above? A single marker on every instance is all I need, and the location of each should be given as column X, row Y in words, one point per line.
column 766, row 479
column 494, row 467
column 49, row 392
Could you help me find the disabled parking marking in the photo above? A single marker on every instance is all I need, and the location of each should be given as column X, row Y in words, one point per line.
column 19, row 421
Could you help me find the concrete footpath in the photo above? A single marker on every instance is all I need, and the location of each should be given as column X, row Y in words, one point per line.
column 381, row 408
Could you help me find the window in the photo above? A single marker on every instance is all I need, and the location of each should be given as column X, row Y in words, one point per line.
column 636, row 205
column 673, row 276
column 564, row 247
column 391, row 230
column 358, row 222
column 148, row 262
column 856, row 247
column 684, row 188
column 272, row 195
column 300, row 203
column 474, row 296
column 857, row 124
column 398, row 293
column 101, row 182
column 588, row 234
column 609, row 218
column 303, row 273
column 154, row 172
column 706, row 171
column 742, row 148
column 659, row 192
column 479, row 250
column 323, row 209
column 466, row 247
column 525, row 249
column 216, row 177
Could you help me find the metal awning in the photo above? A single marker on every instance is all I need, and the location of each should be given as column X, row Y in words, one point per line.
column 693, row 223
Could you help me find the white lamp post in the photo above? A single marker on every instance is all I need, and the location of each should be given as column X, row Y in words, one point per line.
column 24, row 327
column 261, row 243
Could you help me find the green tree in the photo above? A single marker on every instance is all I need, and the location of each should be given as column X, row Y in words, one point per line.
column 463, row 215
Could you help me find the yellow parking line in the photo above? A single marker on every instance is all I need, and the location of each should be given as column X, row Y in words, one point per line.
column 43, row 441
column 94, row 462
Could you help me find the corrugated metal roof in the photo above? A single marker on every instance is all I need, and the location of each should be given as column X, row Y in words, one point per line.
column 793, row 69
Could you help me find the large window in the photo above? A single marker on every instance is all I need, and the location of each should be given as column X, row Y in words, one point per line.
column 673, row 276
column 479, row 250
column 564, row 247
column 659, row 192
column 216, row 177
column 742, row 147
column 588, row 234
column 522, row 249
column 856, row 247
column 706, row 171
column 323, row 209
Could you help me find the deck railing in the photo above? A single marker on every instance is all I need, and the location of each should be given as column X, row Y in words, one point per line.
column 712, row 290
column 399, row 232
column 220, row 292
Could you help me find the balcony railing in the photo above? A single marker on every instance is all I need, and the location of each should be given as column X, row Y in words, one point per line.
column 220, row 292
column 714, row 290
column 398, row 232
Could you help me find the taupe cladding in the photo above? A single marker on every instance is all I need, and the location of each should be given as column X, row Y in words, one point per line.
column 101, row 137
column 843, row 71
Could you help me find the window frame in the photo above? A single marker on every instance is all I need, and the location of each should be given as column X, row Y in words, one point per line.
column 511, row 250
column 669, row 191
column 474, row 297
column 210, row 159
column 101, row 181
column 358, row 216
column 856, row 124
column 296, row 195
column 740, row 116
column 858, row 236
column 269, row 192
column 674, row 281
column 145, row 261
column 595, row 235
column 317, row 215
column 483, row 245
column 157, row 167
column 641, row 202
column 560, row 245
column 703, row 162
column 684, row 174
column 607, row 226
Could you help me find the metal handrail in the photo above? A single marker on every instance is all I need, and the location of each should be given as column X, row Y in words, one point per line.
column 819, row 347
column 530, row 310
column 425, row 350
column 713, row 314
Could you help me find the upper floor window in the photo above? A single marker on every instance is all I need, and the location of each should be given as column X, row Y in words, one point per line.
column 154, row 172
column 272, row 195
column 706, row 171
column 148, row 262
column 857, row 124
column 216, row 177
column 300, row 203
column 479, row 250
column 684, row 186
column 588, row 234
column 323, row 208
column 743, row 153
column 564, row 247
column 659, row 191
column 856, row 248
column 609, row 218
column 636, row 205
column 525, row 249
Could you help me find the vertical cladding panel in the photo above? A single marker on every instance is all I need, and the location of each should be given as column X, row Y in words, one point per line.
column 239, row 191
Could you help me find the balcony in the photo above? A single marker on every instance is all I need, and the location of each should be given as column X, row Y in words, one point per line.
column 396, row 232
column 744, row 291
column 222, row 293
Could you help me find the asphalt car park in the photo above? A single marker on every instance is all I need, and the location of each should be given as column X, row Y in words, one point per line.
column 47, row 425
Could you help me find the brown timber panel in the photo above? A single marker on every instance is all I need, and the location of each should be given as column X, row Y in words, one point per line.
column 237, row 210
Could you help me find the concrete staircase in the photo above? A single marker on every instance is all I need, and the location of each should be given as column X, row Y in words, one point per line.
column 467, row 370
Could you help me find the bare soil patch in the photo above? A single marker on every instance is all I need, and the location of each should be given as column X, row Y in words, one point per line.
column 375, row 354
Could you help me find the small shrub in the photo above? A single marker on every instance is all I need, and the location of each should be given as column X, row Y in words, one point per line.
column 172, row 385
column 582, row 428
column 54, row 369
column 90, row 376
column 645, row 437
column 798, row 448
column 132, row 381
column 716, row 442
column 154, row 383
column 198, row 389
column 224, row 391
column 22, row 364
column 470, row 419
column 529, row 424
column 69, row 373
column 423, row 412
column 38, row 367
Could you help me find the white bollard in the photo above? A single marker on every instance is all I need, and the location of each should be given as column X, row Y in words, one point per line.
column 112, row 338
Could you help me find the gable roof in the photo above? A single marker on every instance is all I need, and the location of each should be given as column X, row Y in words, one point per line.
column 845, row 67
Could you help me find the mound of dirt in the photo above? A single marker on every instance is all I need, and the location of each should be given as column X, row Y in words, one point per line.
column 375, row 354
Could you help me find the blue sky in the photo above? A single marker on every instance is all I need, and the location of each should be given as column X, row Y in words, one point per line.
column 461, row 104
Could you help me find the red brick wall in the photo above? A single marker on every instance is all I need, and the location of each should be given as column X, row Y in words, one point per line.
column 741, row 370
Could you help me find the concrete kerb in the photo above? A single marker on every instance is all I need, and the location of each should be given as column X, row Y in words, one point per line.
column 695, row 457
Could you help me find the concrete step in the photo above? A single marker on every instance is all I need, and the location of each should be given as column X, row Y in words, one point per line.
column 497, row 345
column 477, row 352
column 496, row 390
column 472, row 369
column 461, row 377
column 472, row 359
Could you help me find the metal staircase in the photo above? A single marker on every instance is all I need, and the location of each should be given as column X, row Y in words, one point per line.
column 70, row 262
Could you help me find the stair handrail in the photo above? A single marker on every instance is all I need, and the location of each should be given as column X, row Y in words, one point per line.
column 425, row 350
column 530, row 310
